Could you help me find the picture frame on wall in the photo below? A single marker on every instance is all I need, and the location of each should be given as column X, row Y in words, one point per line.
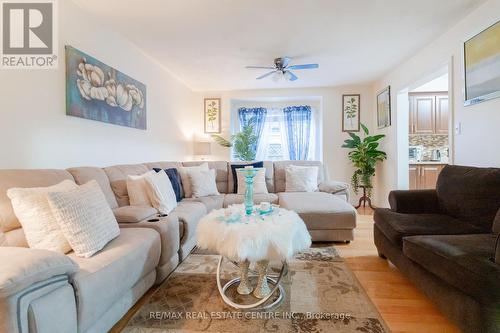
column 99, row 92
column 212, row 115
column 384, row 108
column 351, row 108
column 482, row 66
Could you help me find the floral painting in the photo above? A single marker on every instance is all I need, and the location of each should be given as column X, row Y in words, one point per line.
column 99, row 92
column 212, row 115
column 350, row 113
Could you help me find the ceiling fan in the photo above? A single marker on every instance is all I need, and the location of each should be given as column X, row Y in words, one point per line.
column 282, row 69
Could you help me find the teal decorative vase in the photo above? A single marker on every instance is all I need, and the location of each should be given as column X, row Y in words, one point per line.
column 249, row 174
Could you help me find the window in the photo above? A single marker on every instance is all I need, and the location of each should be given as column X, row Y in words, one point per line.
column 286, row 130
column 273, row 143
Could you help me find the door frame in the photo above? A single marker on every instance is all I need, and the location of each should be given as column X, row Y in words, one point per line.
column 403, row 109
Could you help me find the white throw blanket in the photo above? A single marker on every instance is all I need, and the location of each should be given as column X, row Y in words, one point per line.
column 278, row 236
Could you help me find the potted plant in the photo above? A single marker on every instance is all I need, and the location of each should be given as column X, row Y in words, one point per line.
column 243, row 143
column 364, row 155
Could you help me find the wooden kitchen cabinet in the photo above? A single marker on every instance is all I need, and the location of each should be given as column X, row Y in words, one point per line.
column 428, row 113
column 424, row 176
column 442, row 108
column 413, row 177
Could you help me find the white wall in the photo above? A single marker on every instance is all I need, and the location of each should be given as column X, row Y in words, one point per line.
column 334, row 157
column 36, row 133
column 478, row 143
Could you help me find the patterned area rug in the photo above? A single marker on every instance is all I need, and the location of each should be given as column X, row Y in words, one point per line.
column 322, row 295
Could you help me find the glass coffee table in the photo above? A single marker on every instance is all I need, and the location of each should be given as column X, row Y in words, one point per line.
column 253, row 239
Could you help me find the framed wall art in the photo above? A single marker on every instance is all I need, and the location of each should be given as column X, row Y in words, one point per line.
column 212, row 115
column 100, row 92
column 384, row 108
column 482, row 66
column 351, row 112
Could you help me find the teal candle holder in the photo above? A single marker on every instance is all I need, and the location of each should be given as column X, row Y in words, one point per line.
column 249, row 174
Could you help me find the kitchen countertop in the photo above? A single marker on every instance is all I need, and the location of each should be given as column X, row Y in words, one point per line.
column 427, row 162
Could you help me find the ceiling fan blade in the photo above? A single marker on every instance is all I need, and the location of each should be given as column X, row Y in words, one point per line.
column 285, row 61
column 305, row 66
column 292, row 77
column 266, row 75
column 260, row 67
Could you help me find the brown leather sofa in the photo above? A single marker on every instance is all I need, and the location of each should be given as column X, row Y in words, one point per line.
column 444, row 241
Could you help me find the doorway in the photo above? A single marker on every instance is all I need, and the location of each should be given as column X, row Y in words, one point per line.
column 424, row 133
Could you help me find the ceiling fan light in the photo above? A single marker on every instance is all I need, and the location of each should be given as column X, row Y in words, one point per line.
column 287, row 76
column 276, row 76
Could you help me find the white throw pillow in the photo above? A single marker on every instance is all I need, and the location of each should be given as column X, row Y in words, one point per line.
column 203, row 183
column 259, row 182
column 33, row 211
column 186, row 181
column 85, row 218
column 301, row 178
column 137, row 189
column 161, row 192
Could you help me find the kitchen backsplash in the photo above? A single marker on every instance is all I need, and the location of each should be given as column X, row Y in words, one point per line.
column 430, row 142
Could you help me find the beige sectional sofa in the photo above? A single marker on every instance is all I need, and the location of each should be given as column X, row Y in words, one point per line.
column 43, row 291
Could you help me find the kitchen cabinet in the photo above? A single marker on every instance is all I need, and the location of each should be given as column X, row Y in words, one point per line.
column 424, row 176
column 442, row 114
column 428, row 113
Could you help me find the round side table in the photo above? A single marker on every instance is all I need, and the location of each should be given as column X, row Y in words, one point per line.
column 256, row 238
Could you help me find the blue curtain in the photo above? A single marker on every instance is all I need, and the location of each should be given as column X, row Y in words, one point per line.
column 257, row 116
column 298, row 128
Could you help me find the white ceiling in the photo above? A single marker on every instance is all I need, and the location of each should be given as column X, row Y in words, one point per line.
column 207, row 43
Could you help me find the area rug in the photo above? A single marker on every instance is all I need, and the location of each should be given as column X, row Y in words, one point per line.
column 322, row 295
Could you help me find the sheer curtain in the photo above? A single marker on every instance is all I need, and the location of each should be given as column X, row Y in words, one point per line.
column 298, row 121
column 274, row 116
column 255, row 115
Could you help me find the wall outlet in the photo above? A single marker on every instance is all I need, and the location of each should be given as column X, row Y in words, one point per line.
column 458, row 128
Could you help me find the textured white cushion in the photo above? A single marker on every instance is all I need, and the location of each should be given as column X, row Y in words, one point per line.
column 301, row 178
column 137, row 189
column 33, row 212
column 259, row 182
column 203, row 183
column 161, row 192
column 85, row 218
column 186, row 181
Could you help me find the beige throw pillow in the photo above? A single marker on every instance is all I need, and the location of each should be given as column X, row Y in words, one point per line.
column 186, row 181
column 203, row 183
column 301, row 178
column 33, row 211
column 137, row 189
column 85, row 218
column 259, row 182
column 161, row 192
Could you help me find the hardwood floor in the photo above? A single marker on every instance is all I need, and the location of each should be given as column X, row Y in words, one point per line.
column 403, row 307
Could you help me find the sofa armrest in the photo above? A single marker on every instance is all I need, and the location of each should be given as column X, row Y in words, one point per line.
column 332, row 186
column 22, row 267
column 414, row 202
column 133, row 214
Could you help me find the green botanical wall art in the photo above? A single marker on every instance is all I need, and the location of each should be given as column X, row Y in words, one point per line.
column 350, row 113
column 212, row 115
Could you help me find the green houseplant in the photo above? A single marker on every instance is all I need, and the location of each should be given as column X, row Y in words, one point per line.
column 364, row 155
column 243, row 143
